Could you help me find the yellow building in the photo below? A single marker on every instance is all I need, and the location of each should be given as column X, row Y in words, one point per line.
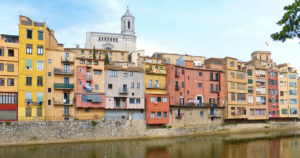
column 60, row 79
column 173, row 58
column 9, row 65
column 113, row 55
column 31, row 91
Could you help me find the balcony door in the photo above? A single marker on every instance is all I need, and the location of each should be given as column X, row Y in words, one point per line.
column 66, row 80
column 66, row 110
column 67, row 56
column 66, row 98
column 124, row 87
column 199, row 98
column 118, row 102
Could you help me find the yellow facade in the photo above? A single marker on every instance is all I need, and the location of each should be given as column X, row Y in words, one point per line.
column 31, row 64
column 155, row 74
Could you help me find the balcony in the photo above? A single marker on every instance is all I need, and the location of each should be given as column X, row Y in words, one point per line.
column 155, row 87
column 155, row 71
column 67, row 60
column 63, row 86
column 66, row 113
column 58, row 71
column 87, row 88
column 214, row 79
column 123, row 90
column 214, row 91
column 63, row 102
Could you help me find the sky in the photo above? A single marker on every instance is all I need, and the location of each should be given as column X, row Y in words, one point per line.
column 218, row 28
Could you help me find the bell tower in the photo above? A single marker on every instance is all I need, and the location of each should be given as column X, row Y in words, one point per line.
column 127, row 24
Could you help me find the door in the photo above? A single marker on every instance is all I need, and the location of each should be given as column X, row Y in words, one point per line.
column 118, row 102
column 212, row 111
column 199, row 98
column 67, row 98
column 181, row 101
column 66, row 80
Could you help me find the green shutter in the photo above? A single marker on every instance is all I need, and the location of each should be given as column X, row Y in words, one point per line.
column 10, row 67
column 28, row 63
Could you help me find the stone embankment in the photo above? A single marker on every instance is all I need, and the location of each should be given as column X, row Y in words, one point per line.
column 19, row 133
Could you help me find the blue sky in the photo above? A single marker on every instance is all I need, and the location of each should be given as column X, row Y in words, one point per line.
column 216, row 28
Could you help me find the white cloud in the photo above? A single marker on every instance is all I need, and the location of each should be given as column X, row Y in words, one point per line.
column 149, row 47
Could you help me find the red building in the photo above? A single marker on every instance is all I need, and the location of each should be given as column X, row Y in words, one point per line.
column 192, row 86
column 273, row 101
column 157, row 108
column 8, row 106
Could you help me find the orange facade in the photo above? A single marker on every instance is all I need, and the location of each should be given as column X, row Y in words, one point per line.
column 157, row 108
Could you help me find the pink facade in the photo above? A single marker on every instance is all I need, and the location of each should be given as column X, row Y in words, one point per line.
column 273, row 95
column 195, row 87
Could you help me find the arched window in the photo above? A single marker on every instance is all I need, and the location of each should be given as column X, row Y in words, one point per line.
column 128, row 24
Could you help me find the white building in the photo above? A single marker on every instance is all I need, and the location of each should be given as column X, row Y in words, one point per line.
column 126, row 41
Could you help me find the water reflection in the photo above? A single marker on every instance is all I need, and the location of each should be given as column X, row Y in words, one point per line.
column 258, row 145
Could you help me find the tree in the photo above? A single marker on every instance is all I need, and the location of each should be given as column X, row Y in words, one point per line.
column 290, row 22
column 106, row 60
column 94, row 53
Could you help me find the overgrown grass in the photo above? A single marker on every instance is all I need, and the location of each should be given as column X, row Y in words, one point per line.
column 94, row 123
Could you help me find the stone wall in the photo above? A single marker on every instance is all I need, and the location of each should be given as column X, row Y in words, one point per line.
column 72, row 131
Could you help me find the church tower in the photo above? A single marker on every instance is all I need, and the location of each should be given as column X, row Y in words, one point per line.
column 127, row 24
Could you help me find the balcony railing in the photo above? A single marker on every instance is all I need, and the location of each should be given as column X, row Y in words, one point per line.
column 214, row 91
column 155, row 87
column 123, row 90
column 67, row 59
column 58, row 71
column 63, row 102
column 63, row 86
column 214, row 79
column 155, row 71
column 87, row 88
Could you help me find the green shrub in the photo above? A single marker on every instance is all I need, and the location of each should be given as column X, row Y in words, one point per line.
column 94, row 123
column 8, row 123
column 267, row 127
column 169, row 126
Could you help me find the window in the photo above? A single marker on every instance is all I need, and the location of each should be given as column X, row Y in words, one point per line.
column 217, row 88
column 200, row 73
column 211, row 87
column 113, row 73
column 110, row 86
column 82, row 61
column 132, row 84
column 152, row 99
column 90, row 53
column 11, row 53
column 165, row 114
column 165, row 99
column 10, row 82
column 188, row 92
column 39, row 112
column 131, row 101
column 292, row 84
column 40, row 50
column 96, row 87
column 49, row 90
column 122, row 54
column 156, row 84
column 250, row 81
column 249, row 72
column 131, row 73
column 201, row 113
column 49, row 101
column 28, row 81
column 40, row 35
column 199, row 85
column 40, row 81
column 125, row 74
column 80, row 70
column 233, row 96
column 29, row 34
column 2, row 82
column 28, row 112
column 95, row 62
column 49, row 73
column 152, row 114
column 293, row 92
column 292, row 76
column 158, row 114
column 1, row 67
column 138, row 85
column 232, row 74
column 182, row 84
column 182, row 71
column 49, row 61
column 1, row 52
column 158, row 99
column 79, row 82
column 87, row 110
column 40, row 65
column 10, row 67
column 28, row 48
column 293, row 101
column 138, row 101
column 232, row 63
column 150, row 83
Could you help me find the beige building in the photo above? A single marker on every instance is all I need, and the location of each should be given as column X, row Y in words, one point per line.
column 60, row 78
column 172, row 58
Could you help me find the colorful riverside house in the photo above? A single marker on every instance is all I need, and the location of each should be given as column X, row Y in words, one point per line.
column 124, row 89
column 288, row 91
column 156, row 98
column 190, row 86
column 60, row 79
column 235, row 86
column 273, row 93
column 89, row 84
column 31, row 90
column 9, row 65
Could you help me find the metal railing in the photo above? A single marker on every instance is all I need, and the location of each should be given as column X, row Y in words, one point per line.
column 63, row 86
column 59, row 71
column 67, row 59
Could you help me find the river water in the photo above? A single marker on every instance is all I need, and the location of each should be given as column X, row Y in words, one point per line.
column 282, row 144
